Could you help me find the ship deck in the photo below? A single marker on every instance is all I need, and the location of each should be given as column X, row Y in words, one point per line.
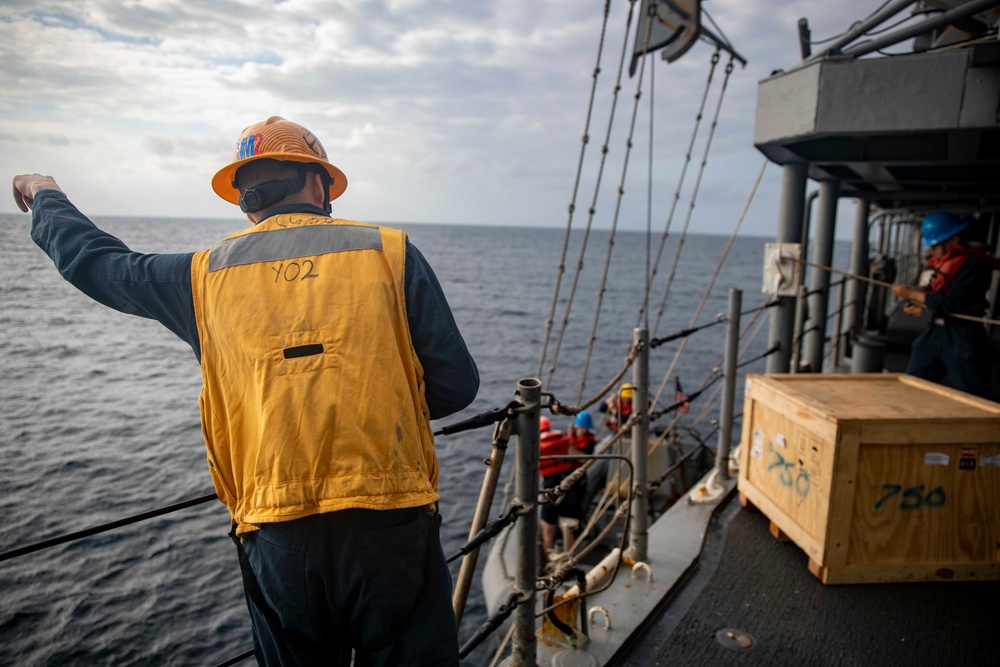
column 752, row 601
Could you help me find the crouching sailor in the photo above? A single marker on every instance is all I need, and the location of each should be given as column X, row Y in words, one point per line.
column 326, row 347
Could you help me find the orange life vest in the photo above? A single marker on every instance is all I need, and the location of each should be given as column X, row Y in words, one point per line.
column 947, row 268
column 555, row 443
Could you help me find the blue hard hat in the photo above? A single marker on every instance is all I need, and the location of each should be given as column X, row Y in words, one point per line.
column 584, row 420
column 940, row 226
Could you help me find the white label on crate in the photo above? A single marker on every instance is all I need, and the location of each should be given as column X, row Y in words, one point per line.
column 747, row 388
column 990, row 461
column 936, row 459
column 779, row 440
column 758, row 445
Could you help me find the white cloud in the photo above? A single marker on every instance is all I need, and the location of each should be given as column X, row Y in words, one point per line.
column 437, row 110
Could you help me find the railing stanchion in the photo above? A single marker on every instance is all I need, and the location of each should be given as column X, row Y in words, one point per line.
column 638, row 540
column 529, row 394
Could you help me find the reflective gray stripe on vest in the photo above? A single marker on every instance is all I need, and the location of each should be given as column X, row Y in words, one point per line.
column 292, row 243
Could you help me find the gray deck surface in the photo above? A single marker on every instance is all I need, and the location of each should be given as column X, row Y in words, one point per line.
column 748, row 581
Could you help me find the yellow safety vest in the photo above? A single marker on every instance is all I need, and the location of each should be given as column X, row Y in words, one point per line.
column 312, row 398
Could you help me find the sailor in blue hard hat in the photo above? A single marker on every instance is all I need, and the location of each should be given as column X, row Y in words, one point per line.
column 952, row 347
column 581, row 433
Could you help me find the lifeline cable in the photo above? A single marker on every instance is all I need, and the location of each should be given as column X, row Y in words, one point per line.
column 70, row 537
column 491, row 625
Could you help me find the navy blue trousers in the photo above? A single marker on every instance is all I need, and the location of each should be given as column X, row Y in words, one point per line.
column 372, row 582
column 958, row 349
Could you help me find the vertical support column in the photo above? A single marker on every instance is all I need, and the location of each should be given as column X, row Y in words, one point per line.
column 793, row 191
column 819, row 285
column 855, row 306
column 729, row 383
column 529, row 394
column 638, row 538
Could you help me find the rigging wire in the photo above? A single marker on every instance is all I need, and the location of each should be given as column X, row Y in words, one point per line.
column 718, row 269
column 593, row 203
column 680, row 184
column 615, row 217
column 585, row 139
column 694, row 194
column 649, row 190
column 767, row 304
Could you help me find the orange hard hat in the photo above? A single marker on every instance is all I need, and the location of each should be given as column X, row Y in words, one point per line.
column 544, row 424
column 277, row 139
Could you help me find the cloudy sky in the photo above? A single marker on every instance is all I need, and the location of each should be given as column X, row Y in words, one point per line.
column 453, row 111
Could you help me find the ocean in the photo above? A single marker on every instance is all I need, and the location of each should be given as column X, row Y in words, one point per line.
column 100, row 421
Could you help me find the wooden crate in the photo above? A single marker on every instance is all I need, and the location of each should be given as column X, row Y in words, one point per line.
column 877, row 477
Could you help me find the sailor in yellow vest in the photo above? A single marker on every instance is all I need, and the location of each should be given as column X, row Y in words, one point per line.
column 326, row 347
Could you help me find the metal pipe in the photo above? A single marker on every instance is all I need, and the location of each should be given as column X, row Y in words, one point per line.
column 838, row 323
column 801, row 310
column 925, row 26
column 861, row 28
column 729, row 383
column 639, row 537
column 793, row 190
column 806, row 225
column 819, row 286
column 529, row 394
column 859, row 266
column 468, row 569
column 805, row 35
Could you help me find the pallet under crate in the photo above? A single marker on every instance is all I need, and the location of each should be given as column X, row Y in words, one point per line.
column 877, row 477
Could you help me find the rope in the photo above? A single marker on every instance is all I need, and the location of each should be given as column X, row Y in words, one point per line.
column 718, row 268
column 558, row 408
column 585, row 139
column 680, row 181
column 615, row 217
column 882, row 283
column 593, row 203
column 70, row 537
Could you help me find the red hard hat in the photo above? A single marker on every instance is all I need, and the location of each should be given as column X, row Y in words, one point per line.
column 544, row 424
